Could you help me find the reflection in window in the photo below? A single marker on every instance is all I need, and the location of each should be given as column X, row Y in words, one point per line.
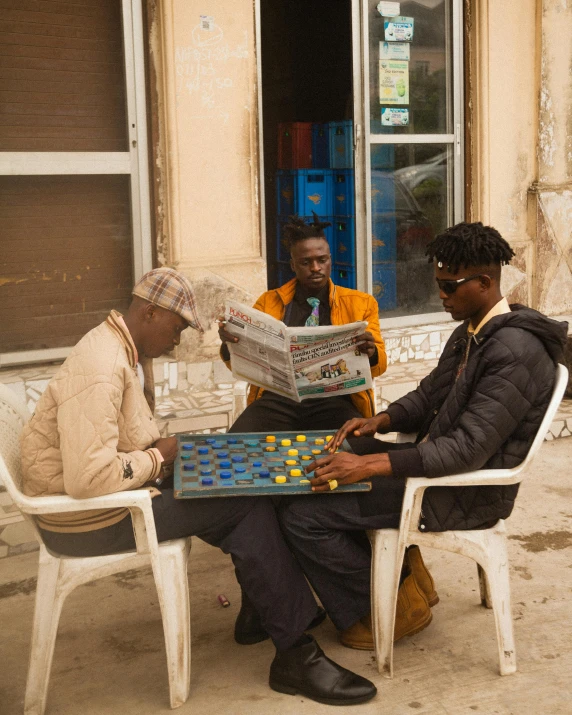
column 409, row 189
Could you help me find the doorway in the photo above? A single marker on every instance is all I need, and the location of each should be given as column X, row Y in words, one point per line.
column 391, row 87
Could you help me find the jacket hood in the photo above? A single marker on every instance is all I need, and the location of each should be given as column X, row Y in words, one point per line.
column 552, row 333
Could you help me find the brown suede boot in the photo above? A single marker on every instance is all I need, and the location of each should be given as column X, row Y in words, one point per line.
column 414, row 561
column 412, row 614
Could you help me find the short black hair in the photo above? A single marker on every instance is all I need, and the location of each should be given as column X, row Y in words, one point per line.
column 297, row 229
column 469, row 244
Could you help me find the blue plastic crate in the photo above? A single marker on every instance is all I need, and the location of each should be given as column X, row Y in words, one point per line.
column 344, row 276
column 321, row 146
column 382, row 193
column 385, row 285
column 284, row 273
column 344, row 192
column 345, row 241
column 383, row 238
column 301, row 191
column 282, row 249
column 342, row 144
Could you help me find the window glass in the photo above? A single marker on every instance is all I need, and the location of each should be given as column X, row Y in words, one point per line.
column 410, row 80
column 410, row 190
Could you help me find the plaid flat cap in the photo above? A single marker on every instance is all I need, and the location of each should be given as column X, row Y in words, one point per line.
column 171, row 290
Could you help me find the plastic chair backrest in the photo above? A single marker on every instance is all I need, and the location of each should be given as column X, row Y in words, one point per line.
column 13, row 416
column 560, row 383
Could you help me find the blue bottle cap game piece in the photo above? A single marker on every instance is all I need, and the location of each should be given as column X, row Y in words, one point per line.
column 185, row 457
column 256, row 464
column 237, row 458
column 204, row 461
column 207, row 481
column 203, row 450
column 187, row 446
column 206, row 472
column 232, row 440
column 240, row 469
column 210, row 440
column 222, row 455
column 188, row 467
column 225, row 475
column 217, row 445
column 264, row 474
column 225, row 465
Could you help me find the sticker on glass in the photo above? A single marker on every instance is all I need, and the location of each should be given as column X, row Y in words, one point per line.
column 207, row 23
column 388, row 9
column 398, row 29
column 393, row 82
column 394, row 51
column 394, row 116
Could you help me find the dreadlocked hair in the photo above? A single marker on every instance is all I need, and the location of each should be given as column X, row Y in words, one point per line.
column 469, row 244
column 298, row 230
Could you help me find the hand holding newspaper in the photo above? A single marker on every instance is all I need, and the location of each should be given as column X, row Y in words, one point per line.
column 300, row 363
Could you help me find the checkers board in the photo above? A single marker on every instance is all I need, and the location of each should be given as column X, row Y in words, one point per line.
column 250, row 464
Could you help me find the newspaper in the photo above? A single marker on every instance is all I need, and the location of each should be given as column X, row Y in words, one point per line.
column 299, row 363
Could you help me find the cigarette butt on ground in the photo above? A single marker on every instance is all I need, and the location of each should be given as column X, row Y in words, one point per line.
column 223, row 600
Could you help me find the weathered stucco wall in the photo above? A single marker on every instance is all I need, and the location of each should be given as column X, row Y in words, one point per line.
column 551, row 195
column 204, row 61
column 503, row 82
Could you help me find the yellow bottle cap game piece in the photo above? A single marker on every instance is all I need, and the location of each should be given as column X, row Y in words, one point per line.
column 306, row 456
column 280, row 480
column 300, row 438
column 319, row 440
column 290, row 462
column 270, row 449
column 304, row 481
column 329, row 437
column 270, row 438
column 295, row 472
column 286, row 442
column 316, row 451
column 292, row 452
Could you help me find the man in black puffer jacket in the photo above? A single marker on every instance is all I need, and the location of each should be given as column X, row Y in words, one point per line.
column 479, row 408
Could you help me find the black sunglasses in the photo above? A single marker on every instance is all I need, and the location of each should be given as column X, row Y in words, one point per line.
column 449, row 287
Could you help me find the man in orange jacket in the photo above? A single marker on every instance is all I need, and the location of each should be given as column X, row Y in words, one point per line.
column 312, row 299
column 308, row 299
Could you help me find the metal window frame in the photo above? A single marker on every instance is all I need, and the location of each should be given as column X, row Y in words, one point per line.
column 364, row 138
column 133, row 162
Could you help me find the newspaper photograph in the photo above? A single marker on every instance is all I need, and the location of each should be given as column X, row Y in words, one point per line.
column 300, row 363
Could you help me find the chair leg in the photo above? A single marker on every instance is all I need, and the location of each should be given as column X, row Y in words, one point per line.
column 49, row 600
column 497, row 575
column 176, row 621
column 484, row 588
column 385, row 571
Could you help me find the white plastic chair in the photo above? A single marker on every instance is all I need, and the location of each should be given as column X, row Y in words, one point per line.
column 488, row 547
column 59, row 575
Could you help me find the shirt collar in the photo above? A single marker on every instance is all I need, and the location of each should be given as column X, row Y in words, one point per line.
column 117, row 324
column 300, row 295
column 500, row 308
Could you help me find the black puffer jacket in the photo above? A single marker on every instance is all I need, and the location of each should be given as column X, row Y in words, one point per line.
column 487, row 419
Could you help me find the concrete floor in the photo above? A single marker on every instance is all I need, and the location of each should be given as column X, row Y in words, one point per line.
column 110, row 659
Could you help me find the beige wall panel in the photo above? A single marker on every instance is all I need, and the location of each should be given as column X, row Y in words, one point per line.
column 208, row 153
column 506, row 112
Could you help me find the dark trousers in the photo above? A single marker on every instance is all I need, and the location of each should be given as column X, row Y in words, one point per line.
column 244, row 527
column 274, row 413
column 322, row 533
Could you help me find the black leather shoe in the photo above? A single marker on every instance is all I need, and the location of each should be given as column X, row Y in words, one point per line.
column 306, row 670
column 248, row 628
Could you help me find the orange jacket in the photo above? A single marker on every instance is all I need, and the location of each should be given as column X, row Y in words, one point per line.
column 346, row 306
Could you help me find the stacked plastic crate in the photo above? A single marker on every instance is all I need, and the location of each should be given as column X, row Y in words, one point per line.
column 384, row 229
column 326, row 188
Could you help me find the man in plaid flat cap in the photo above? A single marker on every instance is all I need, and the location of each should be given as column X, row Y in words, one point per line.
column 93, row 433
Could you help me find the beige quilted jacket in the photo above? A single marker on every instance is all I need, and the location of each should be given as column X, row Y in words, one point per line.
column 93, row 427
